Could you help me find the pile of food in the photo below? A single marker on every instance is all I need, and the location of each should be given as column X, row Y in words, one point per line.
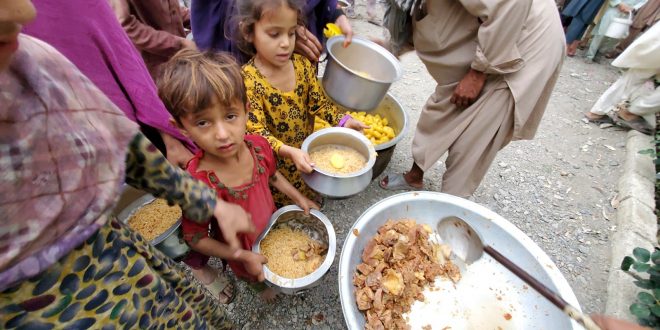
column 378, row 132
column 154, row 219
column 337, row 159
column 397, row 264
column 292, row 253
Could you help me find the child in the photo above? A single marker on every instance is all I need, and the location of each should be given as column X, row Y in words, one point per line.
column 282, row 87
column 204, row 92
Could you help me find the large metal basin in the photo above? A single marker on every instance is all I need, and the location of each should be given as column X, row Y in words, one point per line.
column 534, row 312
column 317, row 226
column 344, row 78
column 340, row 185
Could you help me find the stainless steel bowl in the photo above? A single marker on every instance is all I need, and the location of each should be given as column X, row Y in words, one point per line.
column 342, row 80
column 397, row 117
column 170, row 242
column 340, row 185
column 533, row 312
column 319, row 228
column 343, row 4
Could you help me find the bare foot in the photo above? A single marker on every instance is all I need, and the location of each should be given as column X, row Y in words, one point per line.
column 269, row 295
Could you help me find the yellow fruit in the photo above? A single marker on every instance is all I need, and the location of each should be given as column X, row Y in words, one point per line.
column 337, row 161
column 331, row 30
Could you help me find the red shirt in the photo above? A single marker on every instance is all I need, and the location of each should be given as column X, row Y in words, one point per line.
column 254, row 197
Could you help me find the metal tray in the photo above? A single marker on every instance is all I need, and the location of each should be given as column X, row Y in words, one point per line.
column 493, row 293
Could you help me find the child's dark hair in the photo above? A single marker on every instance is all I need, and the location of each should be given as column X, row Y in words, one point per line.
column 192, row 81
column 251, row 11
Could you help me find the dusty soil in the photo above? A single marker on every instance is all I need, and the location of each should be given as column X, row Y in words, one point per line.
column 557, row 188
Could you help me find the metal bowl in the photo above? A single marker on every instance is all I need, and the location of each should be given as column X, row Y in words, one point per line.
column 171, row 242
column 342, row 80
column 497, row 289
column 319, row 228
column 397, row 117
column 340, row 185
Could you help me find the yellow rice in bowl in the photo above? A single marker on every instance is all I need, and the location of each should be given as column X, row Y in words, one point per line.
column 291, row 253
column 154, row 219
column 337, row 159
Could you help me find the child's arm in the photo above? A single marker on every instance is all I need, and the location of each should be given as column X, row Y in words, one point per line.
column 282, row 184
column 252, row 261
column 256, row 125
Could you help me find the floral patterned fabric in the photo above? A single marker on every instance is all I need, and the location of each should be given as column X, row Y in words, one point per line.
column 287, row 117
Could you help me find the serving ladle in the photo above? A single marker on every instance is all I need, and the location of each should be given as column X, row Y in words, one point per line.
column 467, row 246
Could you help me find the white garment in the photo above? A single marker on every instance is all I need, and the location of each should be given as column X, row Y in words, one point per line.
column 633, row 85
column 643, row 53
column 642, row 58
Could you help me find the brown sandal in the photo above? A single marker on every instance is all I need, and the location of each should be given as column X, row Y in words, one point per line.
column 219, row 288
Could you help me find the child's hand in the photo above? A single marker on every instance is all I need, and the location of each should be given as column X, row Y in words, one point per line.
column 355, row 124
column 232, row 219
column 300, row 158
column 253, row 264
column 306, row 204
column 346, row 29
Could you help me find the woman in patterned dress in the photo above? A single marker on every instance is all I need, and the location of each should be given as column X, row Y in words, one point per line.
column 65, row 262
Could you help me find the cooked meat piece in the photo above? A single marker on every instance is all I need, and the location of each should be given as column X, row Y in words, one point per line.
column 399, row 251
column 373, row 279
column 373, row 322
column 378, row 300
column 364, row 297
column 368, row 250
column 364, row 269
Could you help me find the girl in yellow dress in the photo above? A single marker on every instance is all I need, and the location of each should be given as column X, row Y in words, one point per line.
column 282, row 87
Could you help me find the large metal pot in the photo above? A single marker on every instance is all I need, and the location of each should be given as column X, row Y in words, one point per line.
column 171, row 242
column 319, row 228
column 340, row 185
column 496, row 289
column 397, row 117
column 344, row 78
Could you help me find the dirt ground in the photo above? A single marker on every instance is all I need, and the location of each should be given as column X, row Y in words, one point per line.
column 558, row 189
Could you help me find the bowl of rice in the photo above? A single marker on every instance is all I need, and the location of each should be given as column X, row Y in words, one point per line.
column 158, row 223
column 300, row 249
column 343, row 161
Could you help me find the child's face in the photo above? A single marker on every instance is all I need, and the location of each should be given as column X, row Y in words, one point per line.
column 274, row 36
column 218, row 130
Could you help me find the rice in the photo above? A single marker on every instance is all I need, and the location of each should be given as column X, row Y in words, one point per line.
column 154, row 219
column 291, row 253
column 353, row 161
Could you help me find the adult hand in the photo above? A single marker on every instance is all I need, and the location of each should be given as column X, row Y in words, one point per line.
column 307, row 44
column 610, row 323
column 468, row 89
column 345, row 26
column 254, row 264
column 232, row 219
column 355, row 124
column 624, row 8
column 300, row 158
column 177, row 153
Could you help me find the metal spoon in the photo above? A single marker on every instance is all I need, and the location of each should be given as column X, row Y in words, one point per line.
column 468, row 248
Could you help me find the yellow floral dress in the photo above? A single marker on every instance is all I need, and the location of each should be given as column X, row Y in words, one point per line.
column 287, row 118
